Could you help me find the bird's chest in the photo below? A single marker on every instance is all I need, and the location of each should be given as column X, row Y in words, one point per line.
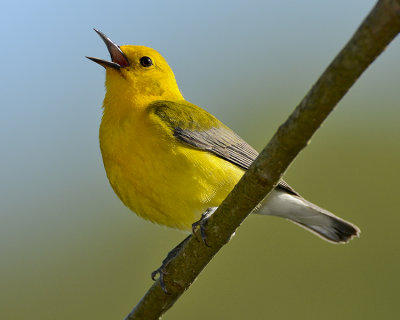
column 133, row 159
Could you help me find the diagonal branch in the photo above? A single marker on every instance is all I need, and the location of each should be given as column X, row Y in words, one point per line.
column 378, row 29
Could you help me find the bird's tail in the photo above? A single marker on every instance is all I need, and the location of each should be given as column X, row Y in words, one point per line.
column 307, row 215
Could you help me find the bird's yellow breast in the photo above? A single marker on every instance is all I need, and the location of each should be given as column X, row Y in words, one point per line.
column 158, row 177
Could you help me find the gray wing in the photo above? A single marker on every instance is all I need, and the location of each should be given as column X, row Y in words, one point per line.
column 227, row 145
column 222, row 142
column 216, row 138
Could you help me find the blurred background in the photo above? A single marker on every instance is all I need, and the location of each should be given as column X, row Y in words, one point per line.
column 69, row 249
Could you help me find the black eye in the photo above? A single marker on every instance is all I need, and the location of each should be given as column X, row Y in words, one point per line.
column 146, row 62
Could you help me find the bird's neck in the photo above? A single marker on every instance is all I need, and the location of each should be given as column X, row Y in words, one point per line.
column 137, row 96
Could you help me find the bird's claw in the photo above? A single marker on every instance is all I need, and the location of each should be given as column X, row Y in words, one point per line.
column 202, row 223
column 161, row 273
column 161, row 270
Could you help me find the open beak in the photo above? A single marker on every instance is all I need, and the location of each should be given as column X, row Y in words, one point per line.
column 118, row 59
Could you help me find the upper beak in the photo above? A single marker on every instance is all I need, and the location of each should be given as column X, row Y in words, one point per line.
column 118, row 59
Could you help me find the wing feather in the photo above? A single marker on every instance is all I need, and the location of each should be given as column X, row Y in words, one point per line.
column 198, row 129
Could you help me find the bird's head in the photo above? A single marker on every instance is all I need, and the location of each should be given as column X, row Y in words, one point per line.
column 137, row 73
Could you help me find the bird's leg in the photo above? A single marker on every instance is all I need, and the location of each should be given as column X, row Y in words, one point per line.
column 171, row 255
column 202, row 223
column 161, row 270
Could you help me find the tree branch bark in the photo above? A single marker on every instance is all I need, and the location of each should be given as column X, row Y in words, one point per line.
column 377, row 30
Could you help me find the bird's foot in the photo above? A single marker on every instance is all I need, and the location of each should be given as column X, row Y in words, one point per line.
column 202, row 223
column 161, row 272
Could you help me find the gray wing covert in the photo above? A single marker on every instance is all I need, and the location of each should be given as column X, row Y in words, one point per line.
column 217, row 138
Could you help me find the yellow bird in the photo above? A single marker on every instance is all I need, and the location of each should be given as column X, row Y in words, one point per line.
column 169, row 161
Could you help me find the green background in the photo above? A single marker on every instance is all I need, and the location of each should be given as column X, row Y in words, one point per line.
column 70, row 250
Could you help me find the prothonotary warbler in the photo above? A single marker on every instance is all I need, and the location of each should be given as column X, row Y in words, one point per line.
column 169, row 160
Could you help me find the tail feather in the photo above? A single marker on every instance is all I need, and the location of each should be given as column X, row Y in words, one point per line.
column 309, row 216
column 337, row 231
